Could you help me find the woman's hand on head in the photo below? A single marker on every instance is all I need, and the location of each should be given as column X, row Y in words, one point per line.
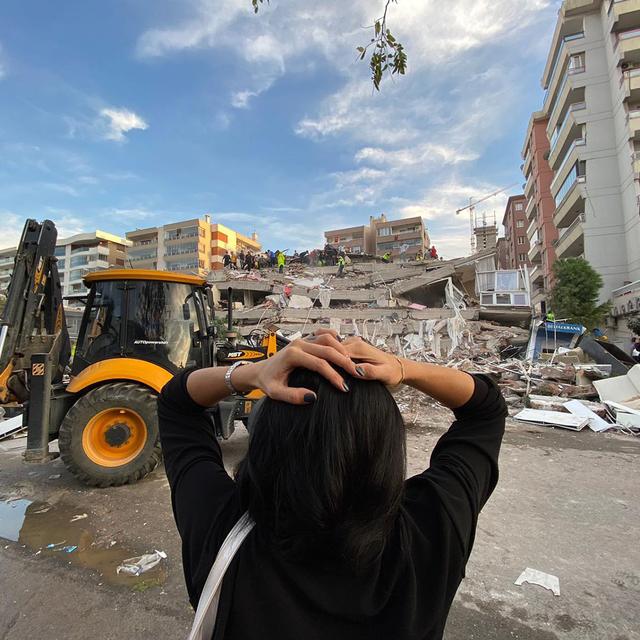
column 317, row 353
column 374, row 363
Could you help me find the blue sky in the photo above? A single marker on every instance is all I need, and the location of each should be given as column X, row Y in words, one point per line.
column 126, row 114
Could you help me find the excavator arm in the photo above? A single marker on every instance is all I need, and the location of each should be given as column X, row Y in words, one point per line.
column 33, row 320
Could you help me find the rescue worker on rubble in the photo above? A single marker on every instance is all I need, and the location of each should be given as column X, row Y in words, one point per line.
column 341, row 263
column 386, row 257
column 346, row 548
column 550, row 317
column 281, row 259
column 226, row 260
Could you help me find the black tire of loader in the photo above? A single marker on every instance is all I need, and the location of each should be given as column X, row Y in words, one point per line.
column 122, row 394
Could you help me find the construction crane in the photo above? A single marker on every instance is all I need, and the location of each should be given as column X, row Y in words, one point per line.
column 472, row 210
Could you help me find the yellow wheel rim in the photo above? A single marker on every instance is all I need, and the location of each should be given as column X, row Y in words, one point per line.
column 114, row 437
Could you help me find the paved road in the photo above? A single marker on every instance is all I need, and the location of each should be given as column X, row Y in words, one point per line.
column 567, row 504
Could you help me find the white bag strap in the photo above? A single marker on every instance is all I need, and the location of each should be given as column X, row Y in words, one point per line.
column 207, row 611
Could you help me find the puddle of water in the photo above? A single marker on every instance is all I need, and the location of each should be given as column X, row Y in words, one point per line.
column 39, row 525
column 11, row 518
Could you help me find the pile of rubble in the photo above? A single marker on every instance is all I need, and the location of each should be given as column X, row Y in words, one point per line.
column 425, row 311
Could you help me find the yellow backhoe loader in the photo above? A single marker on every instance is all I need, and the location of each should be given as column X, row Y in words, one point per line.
column 139, row 328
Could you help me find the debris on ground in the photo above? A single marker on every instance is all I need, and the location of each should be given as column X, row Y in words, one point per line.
column 11, row 427
column 141, row 564
column 540, row 578
column 80, row 516
column 552, row 418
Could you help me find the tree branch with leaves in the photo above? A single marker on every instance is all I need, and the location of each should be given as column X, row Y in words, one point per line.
column 388, row 56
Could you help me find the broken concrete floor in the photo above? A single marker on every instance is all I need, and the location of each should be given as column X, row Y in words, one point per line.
column 566, row 504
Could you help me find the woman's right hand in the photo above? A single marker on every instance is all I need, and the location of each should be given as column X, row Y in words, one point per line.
column 376, row 364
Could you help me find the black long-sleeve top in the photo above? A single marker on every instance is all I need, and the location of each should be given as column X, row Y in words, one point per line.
column 406, row 594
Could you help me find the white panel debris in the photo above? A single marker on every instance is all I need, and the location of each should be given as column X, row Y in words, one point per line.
column 542, row 579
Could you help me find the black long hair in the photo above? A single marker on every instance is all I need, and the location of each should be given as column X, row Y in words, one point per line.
column 325, row 481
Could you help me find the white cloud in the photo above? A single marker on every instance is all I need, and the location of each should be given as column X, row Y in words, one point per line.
column 12, row 225
column 451, row 232
column 120, row 121
column 409, row 143
column 240, row 99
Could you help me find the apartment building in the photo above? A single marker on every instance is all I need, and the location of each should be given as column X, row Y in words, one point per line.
column 515, row 228
column 592, row 102
column 404, row 239
column 540, row 209
column 77, row 256
column 501, row 253
column 485, row 235
column 7, row 258
column 353, row 239
column 193, row 246
column 224, row 239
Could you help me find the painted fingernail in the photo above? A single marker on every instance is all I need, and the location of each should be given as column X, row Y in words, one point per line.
column 309, row 398
column 339, row 338
column 360, row 371
column 312, row 338
column 345, row 386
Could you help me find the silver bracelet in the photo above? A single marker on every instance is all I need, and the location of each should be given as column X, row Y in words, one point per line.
column 227, row 377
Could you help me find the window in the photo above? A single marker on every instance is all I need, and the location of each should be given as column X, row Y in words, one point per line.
column 520, row 239
column 384, row 231
column 179, row 249
column 522, row 257
column 576, row 63
column 187, row 232
column 518, row 206
column 520, row 224
column 79, row 261
column 60, row 251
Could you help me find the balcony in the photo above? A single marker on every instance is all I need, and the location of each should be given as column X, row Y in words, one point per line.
column 532, row 229
column 571, row 204
column 625, row 14
column 560, row 63
column 151, row 242
column 573, row 92
column 570, row 243
column 528, row 187
column 526, row 167
column 630, row 84
column 530, row 208
column 633, row 123
column 534, row 251
column 564, row 136
column 636, row 163
column 536, row 276
column 567, row 167
column 627, row 47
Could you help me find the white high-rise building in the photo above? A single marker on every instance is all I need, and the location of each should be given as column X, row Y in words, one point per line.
column 592, row 102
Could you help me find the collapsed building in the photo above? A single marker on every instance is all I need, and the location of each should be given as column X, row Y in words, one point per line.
column 465, row 313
